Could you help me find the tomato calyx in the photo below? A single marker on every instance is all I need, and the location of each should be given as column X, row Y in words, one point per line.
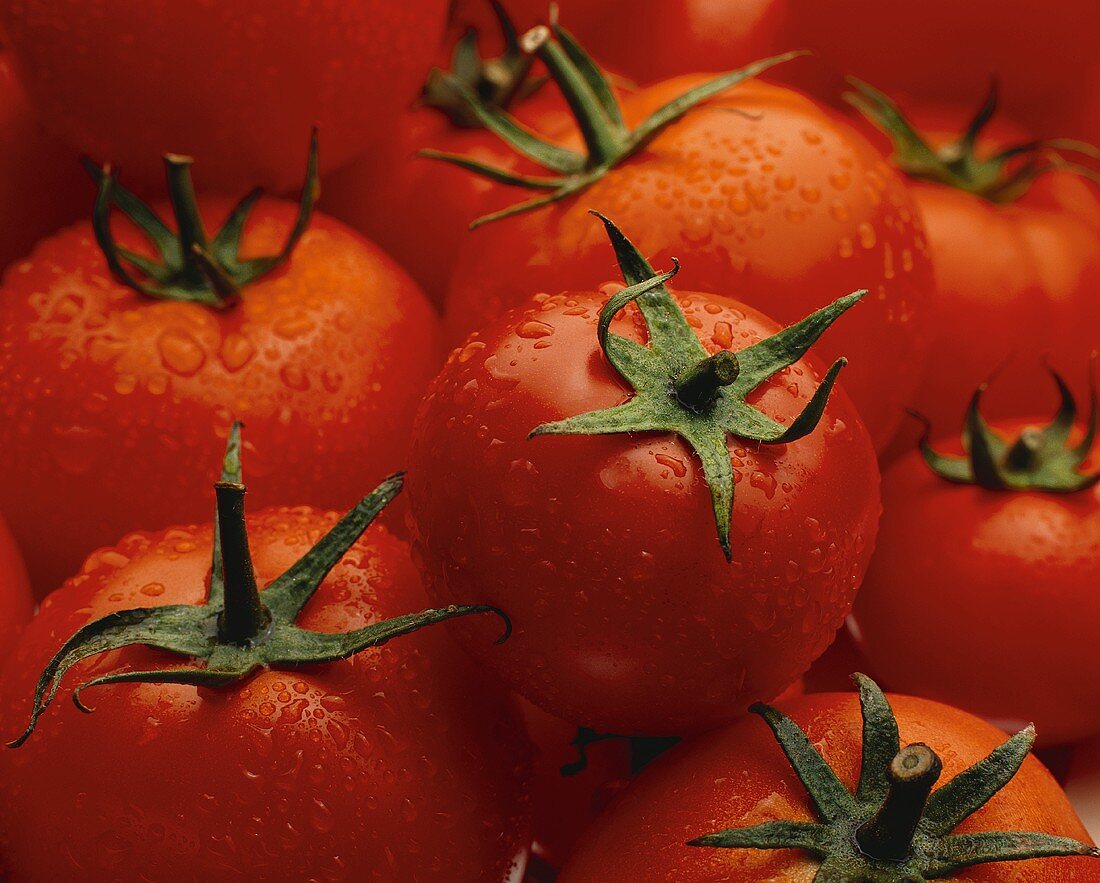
column 1003, row 176
column 239, row 630
column 607, row 139
column 192, row 266
column 894, row 828
column 496, row 82
column 1038, row 459
column 678, row 387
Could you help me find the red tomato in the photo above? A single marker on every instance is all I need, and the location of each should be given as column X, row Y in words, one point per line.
column 41, row 185
column 587, row 541
column 738, row 777
column 571, row 784
column 832, row 671
column 759, row 189
column 16, row 604
column 105, row 390
column 950, row 51
column 968, row 581
column 239, row 84
column 389, row 765
column 419, row 210
column 1039, row 267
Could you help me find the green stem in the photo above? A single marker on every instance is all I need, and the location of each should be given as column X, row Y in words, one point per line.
column 244, row 616
column 604, row 146
column 888, row 835
column 1021, row 456
column 697, row 387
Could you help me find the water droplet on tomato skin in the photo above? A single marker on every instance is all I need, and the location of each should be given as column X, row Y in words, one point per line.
column 180, row 353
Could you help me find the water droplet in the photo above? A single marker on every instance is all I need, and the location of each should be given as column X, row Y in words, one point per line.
column 723, row 335
column 294, row 377
column 867, row 236
column 153, row 590
column 293, row 327
column 180, row 353
column 532, row 330
column 765, row 482
column 236, row 352
column 678, row 466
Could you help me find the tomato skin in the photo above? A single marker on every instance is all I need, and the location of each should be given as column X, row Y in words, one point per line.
column 105, row 390
column 41, row 184
column 579, row 538
column 129, row 81
column 966, row 581
column 341, row 771
column 738, row 776
column 16, row 603
column 1082, row 784
column 749, row 205
column 565, row 806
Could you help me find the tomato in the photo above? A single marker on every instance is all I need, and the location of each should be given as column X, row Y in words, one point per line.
column 832, row 671
column 1043, row 58
column 16, row 604
column 105, row 388
column 1038, row 233
column 997, row 575
column 260, row 764
column 758, row 190
column 586, row 540
column 418, row 210
column 572, row 782
column 673, row 823
column 239, row 84
column 41, row 185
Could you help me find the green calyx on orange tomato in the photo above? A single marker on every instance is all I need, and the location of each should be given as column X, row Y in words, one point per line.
column 607, row 139
column 1001, row 177
column 679, row 388
column 1039, row 459
column 893, row 829
column 239, row 629
column 192, row 266
column 496, row 82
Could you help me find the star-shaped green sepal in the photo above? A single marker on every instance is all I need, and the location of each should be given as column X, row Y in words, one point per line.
column 1039, row 459
column 192, row 266
column 239, row 629
column 1002, row 176
column 894, row 829
column 608, row 141
column 679, row 388
column 496, row 82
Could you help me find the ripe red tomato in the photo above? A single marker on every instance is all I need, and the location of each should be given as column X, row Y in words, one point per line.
column 389, row 765
column 1040, row 258
column 950, row 51
column 587, row 541
column 571, row 783
column 985, row 597
column 16, row 604
column 104, row 389
column 41, row 185
column 738, row 777
column 239, row 84
column 758, row 189
column 419, row 211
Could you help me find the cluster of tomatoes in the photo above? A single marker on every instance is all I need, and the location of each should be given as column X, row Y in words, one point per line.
column 610, row 629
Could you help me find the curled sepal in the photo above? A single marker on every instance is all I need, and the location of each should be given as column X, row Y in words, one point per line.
column 891, row 830
column 240, row 629
column 192, row 267
column 1038, row 459
column 1002, row 176
column 608, row 141
column 679, row 387
column 496, row 82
